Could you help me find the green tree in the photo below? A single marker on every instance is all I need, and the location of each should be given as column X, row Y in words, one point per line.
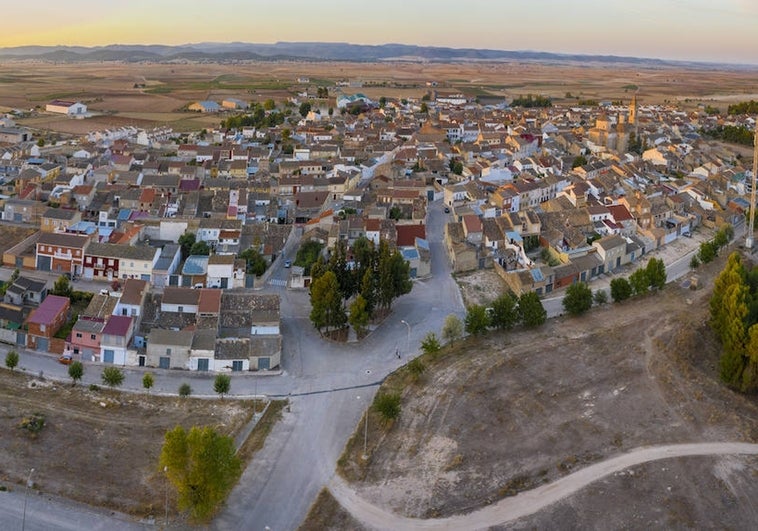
column 186, row 241
column 185, row 390
column 11, row 359
column 76, row 371
column 305, row 108
column 326, row 303
column 620, row 289
column 202, row 465
column 578, row 298
column 382, row 102
column 452, row 328
column 368, row 290
column 416, row 369
column 733, row 274
column 395, row 213
column 255, row 264
column 656, row 273
column 477, row 320
column 694, row 262
column 222, row 383
column 112, row 376
column 307, row 255
column 148, row 381
column 531, row 310
column 639, row 281
column 200, row 248
column 430, row 344
column 424, row 108
column 505, row 311
column 388, row 406
column 733, row 335
column 394, row 276
column 359, row 316
column 269, row 105
column 579, row 160
column 62, row 287
column 600, row 297
column 708, row 252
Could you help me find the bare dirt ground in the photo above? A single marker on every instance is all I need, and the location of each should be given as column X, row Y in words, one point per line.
column 501, row 414
column 157, row 90
column 480, row 287
column 98, row 447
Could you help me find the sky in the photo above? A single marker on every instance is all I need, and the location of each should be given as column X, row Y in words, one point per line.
column 703, row 30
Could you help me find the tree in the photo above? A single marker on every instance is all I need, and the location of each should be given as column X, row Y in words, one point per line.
column 202, row 465
column 456, row 166
column 600, row 297
column 579, row 160
column 620, row 289
column 452, row 329
column 255, row 264
column 359, row 316
column 269, row 105
column 424, row 108
column 578, row 298
column 733, row 274
column 430, row 344
column 505, row 311
column 185, row 390
column 388, row 406
column 416, row 368
column 326, row 303
column 382, row 102
column 222, row 384
column 531, row 310
column 656, row 273
column 112, row 376
column 694, row 262
column 11, row 360
column 395, row 213
column 186, row 241
column 477, row 320
column 76, row 371
column 639, row 281
column 62, row 287
column 148, row 381
column 708, row 252
column 200, row 248
column 305, row 108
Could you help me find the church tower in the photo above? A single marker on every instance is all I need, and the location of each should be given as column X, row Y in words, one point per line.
column 633, row 111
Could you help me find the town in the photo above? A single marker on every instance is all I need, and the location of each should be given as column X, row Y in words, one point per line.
column 310, row 246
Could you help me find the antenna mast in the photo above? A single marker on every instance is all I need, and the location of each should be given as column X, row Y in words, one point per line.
column 751, row 221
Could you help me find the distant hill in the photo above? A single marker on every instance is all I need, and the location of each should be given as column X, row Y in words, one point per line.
column 313, row 51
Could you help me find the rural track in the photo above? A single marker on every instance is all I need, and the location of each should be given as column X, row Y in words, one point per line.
column 531, row 501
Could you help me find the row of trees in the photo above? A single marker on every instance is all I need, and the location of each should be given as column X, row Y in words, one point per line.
column 531, row 100
column 653, row 276
column 507, row 311
column 737, row 134
column 734, row 318
column 255, row 117
column 710, row 249
column 375, row 276
column 745, row 107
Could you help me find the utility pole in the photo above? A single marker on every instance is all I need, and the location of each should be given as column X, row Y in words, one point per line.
column 751, row 221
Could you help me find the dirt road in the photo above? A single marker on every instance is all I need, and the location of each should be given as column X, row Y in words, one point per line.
column 531, row 501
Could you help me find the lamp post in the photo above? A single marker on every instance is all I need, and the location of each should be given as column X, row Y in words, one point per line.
column 365, row 435
column 408, row 341
column 26, row 495
column 165, row 471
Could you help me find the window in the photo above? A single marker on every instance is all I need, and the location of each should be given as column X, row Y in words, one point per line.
column 168, row 352
column 79, row 335
column 92, row 337
column 236, row 365
column 111, row 261
column 42, row 328
column 181, row 309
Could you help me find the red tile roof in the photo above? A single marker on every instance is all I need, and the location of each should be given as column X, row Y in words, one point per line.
column 407, row 234
column 118, row 325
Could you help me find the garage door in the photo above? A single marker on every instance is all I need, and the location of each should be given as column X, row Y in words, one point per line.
column 44, row 263
column 108, row 356
column 42, row 344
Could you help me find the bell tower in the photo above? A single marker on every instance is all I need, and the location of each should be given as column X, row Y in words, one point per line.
column 633, row 111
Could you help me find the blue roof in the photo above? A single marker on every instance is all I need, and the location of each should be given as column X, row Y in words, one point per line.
column 420, row 242
column 195, row 265
column 409, row 253
column 123, row 214
column 537, row 275
column 515, row 236
column 86, row 227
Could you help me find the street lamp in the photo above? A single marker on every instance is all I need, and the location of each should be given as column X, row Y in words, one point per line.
column 26, row 495
column 408, row 342
column 365, row 435
column 165, row 471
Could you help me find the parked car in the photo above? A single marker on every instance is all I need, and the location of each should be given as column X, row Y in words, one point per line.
column 66, row 359
column 288, row 263
column 447, row 210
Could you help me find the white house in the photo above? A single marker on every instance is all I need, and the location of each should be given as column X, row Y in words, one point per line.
column 69, row 108
column 117, row 334
column 220, row 271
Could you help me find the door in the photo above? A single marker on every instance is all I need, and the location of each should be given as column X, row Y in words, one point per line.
column 141, row 361
column 42, row 344
column 264, row 364
column 202, row 364
column 44, row 263
column 108, row 355
column 237, row 366
column 164, row 362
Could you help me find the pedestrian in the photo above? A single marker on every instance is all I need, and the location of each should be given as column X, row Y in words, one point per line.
column 397, row 353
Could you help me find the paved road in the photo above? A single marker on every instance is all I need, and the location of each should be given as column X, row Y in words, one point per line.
column 531, row 501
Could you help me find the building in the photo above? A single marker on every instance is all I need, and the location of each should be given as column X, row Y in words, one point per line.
column 108, row 261
column 44, row 322
column 85, row 338
column 69, row 108
column 13, row 135
column 117, row 333
column 205, row 106
column 59, row 219
column 26, row 291
column 61, row 253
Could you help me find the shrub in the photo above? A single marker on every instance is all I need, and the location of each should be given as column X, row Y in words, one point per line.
column 388, row 406
column 185, row 390
column 113, row 376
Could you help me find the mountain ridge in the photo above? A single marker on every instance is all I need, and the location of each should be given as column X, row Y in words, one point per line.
column 320, row 51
